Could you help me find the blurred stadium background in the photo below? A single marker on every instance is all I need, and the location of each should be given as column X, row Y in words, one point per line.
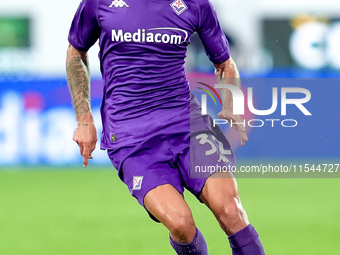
column 50, row 205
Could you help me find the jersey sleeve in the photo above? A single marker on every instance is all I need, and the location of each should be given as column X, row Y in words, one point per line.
column 85, row 29
column 212, row 36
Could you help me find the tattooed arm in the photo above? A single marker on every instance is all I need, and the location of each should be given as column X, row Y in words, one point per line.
column 78, row 77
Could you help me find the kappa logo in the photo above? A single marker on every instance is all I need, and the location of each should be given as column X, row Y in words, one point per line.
column 118, row 3
column 178, row 6
column 137, row 182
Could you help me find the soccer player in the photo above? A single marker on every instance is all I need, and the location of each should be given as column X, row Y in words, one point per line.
column 149, row 118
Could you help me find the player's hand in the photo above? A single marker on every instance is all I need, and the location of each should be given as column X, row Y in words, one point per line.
column 85, row 136
column 237, row 123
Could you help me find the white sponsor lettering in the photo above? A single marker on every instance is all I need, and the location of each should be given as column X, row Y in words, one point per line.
column 143, row 36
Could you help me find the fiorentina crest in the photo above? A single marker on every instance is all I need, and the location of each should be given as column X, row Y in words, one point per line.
column 179, row 6
column 137, row 182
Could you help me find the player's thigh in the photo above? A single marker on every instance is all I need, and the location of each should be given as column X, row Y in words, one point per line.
column 211, row 178
column 220, row 194
column 169, row 207
column 219, row 189
column 206, row 155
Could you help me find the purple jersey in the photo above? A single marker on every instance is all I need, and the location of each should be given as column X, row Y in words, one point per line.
column 142, row 50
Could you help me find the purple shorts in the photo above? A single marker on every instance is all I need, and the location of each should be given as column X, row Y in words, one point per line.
column 179, row 159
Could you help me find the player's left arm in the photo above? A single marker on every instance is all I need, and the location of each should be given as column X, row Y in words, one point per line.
column 217, row 48
column 78, row 76
column 227, row 73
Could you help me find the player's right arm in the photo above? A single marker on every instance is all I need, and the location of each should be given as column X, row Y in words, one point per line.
column 78, row 77
column 84, row 32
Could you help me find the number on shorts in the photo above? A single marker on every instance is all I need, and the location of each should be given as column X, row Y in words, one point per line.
column 220, row 147
column 204, row 138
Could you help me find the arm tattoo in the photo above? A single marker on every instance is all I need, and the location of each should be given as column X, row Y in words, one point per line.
column 79, row 84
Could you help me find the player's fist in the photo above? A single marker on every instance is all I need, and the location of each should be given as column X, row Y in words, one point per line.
column 236, row 122
column 85, row 136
